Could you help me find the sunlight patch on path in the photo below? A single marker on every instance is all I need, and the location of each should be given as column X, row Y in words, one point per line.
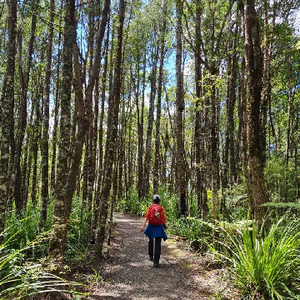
column 129, row 275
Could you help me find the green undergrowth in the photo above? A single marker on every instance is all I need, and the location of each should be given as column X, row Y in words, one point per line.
column 25, row 269
column 265, row 263
column 23, row 275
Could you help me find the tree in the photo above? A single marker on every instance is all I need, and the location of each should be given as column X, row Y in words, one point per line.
column 66, row 181
column 21, row 128
column 148, row 150
column 199, row 116
column 157, row 152
column 180, row 155
column 112, row 123
column 7, row 113
column 58, row 239
column 254, row 87
column 45, row 132
column 229, row 171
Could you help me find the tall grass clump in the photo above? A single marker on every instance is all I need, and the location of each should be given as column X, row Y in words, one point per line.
column 24, row 267
column 27, row 226
column 22, row 277
column 265, row 265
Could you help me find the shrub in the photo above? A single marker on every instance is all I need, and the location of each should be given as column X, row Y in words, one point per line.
column 20, row 279
column 266, row 266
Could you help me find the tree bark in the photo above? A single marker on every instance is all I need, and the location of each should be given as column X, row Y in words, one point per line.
column 45, row 130
column 56, row 110
column 214, row 147
column 140, row 120
column 266, row 82
column 58, row 238
column 35, row 144
column 101, row 142
column 148, row 150
column 7, row 111
column 254, row 87
column 198, row 136
column 157, row 159
column 180, row 157
column 24, row 80
column 229, row 175
column 112, row 131
column 66, row 189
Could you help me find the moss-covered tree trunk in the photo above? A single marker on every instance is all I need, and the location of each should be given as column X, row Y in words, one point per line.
column 254, row 66
column 58, row 238
column 7, row 112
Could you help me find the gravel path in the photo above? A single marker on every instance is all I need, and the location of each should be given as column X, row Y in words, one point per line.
column 129, row 275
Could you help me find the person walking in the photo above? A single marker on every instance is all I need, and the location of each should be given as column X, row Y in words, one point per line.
column 156, row 218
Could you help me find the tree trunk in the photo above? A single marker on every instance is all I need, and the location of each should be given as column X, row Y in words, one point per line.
column 58, row 238
column 7, row 111
column 266, row 83
column 27, row 164
column 180, row 157
column 240, row 110
column 24, row 79
column 128, row 143
column 254, row 87
column 229, row 163
column 242, row 131
column 140, row 120
column 94, row 76
column 101, row 123
column 198, row 138
column 112, row 131
column 35, row 144
column 56, row 109
column 121, row 154
column 66, row 188
column 157, row 159
column 214, row 147
column 296, row 181
column 230, row 108
column 45, row 131
column 112, row 204
column 148, row 150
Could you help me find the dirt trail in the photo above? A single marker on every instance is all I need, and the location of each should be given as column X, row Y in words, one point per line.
column 129, row 275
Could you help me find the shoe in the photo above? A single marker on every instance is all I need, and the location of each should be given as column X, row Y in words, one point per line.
column 155, row 265
column 150, row 258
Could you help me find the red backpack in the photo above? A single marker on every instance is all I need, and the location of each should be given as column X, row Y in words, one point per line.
column 155, row 214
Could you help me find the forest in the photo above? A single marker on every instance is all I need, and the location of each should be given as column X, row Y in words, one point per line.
column 105, row 103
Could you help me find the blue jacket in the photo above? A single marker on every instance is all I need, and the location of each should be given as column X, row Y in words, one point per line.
column 153, row 231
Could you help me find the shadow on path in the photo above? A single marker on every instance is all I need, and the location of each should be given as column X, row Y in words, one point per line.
column 129, row 275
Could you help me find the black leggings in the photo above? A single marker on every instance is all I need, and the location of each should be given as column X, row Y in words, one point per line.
column 157, row 249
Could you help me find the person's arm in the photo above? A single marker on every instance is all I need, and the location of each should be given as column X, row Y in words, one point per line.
column 144, row 224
